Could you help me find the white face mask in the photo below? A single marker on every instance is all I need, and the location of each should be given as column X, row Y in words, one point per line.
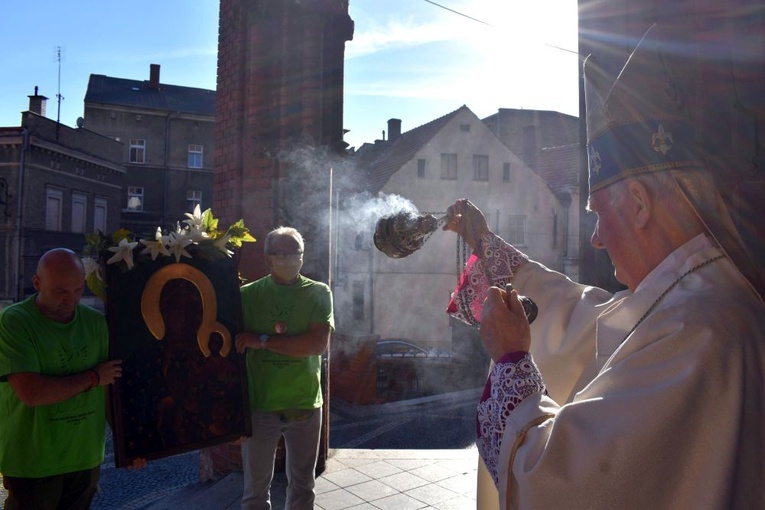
column 286, row 269
column 285, row 259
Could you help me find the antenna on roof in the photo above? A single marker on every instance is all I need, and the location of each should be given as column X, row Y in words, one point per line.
column 58, row 95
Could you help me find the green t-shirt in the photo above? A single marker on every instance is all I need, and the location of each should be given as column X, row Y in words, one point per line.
column 276, row 381
column 58, row 438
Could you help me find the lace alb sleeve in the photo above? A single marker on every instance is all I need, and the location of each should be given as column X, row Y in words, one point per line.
column 496, row 266
column 512, row 379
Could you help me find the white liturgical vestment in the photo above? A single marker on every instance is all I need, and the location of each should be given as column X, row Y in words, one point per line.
column 656, row 398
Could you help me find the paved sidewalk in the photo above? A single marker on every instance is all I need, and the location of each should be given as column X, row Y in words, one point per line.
column 413, row 454
column 359, row 480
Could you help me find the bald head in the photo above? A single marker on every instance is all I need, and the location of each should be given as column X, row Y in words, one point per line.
column 60, row 259
column 59, row 282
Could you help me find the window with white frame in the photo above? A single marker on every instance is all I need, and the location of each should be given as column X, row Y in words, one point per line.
column 54, row 205
column 516, row 229
column 134, row 198
column 137, row 151
column 100, row 206
column 79, row 212
column 480, row 167
column 193, row 199
column 449, row 167
column 195, row 156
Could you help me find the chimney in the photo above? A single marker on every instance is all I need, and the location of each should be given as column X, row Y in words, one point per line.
column 154, row 76
column 37, row 103
column 394, row 129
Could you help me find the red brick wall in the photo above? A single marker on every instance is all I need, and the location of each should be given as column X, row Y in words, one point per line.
column 218, row 461
column 280, row 85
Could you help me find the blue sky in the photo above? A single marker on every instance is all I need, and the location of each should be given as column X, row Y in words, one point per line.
column 409, row 59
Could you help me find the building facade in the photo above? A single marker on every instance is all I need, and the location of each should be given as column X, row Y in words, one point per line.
column 57, row 184
column 548, row 143
column 167, row 135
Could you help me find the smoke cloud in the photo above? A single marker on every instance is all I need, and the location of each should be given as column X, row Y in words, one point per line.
column 366, row 209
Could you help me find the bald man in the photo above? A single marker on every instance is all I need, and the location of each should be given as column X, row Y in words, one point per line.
column 53, row 368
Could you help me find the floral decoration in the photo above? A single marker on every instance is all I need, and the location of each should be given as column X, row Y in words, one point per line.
column 195, row 237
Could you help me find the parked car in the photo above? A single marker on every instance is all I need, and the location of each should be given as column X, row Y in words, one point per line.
column 402, row 349
column 407, row 370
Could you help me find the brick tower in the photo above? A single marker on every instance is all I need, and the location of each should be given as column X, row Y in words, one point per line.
column 279, row 119
column 279, row 125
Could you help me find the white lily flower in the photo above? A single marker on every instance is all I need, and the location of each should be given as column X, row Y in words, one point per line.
column 91, row 266
column 195, row 235
column 123, row 251
column 195, row 219
column 177, row 245
column 159, row 245
column 221, row 243
column 189, row 232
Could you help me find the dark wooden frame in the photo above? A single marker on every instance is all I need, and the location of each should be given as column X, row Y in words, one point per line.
column 172, row 398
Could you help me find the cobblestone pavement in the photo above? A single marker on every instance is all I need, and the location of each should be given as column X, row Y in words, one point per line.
column 444, row 421
column 120, row 489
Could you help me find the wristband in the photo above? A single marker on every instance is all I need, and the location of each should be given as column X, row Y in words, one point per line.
column 263, row 340
column 95, row 379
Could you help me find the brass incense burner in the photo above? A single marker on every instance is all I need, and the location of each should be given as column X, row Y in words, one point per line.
column 402, row 234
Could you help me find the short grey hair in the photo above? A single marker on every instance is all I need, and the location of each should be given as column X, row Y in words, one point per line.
column 283, row 231
column 661, row 184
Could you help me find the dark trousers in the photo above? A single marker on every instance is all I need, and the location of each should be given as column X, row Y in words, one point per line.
column 70, row 491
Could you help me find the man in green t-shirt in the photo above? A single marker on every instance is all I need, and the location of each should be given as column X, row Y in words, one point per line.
column 53, row 368
column 287, row 323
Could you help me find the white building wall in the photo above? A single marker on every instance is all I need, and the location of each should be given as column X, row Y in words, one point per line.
column 409, row 296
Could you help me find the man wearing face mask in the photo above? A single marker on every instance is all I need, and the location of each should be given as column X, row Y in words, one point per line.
column 287, row 322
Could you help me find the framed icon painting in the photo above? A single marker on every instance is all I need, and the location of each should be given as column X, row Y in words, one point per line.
column 183, row 387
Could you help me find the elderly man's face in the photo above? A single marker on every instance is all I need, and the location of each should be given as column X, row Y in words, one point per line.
column 614, row 232
column 285, row 259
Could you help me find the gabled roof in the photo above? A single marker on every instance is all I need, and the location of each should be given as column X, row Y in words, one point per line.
column 136, row 93
column 383, row 159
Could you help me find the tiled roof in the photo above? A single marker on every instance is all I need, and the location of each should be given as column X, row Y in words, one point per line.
column 383, row 159
column 556, row 128
column 136, row 93
column 559, row 167
column 557, row 157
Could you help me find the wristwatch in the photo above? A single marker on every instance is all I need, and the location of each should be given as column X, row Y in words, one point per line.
column 263, row 340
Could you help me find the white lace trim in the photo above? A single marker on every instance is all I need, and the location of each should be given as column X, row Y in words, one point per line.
column 511, row 383
column 498, row 263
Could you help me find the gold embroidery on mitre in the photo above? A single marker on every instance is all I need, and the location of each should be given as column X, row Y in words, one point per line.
column 595, row 161
column 662, row 141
